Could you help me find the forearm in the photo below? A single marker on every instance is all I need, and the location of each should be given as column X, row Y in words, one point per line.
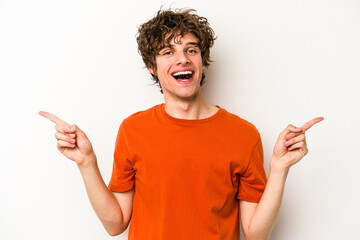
column 289, row 149
column 101, row 198
column 264, row 217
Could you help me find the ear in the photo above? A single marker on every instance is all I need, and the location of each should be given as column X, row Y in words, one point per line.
column 151, row 70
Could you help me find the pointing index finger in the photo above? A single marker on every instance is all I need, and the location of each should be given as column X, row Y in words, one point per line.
column 52, row 118
column 310, row 123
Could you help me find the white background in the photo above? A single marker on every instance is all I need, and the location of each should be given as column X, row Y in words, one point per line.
column 276, row 62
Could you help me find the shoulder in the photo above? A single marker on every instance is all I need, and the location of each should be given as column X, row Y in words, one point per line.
column 240, row 124
column 141, row 117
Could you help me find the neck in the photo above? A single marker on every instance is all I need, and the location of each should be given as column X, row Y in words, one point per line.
column 196, row 108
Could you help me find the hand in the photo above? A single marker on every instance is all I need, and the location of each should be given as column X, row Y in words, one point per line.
column 71, row 141
column 291, row 147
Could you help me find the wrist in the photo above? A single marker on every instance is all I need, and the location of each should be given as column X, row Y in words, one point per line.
column 88, row 161
column 279, row 165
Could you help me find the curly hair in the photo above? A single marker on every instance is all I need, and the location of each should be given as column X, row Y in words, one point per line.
column 153, row 35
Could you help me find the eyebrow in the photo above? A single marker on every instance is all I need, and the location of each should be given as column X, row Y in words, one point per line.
column 193, row 43
column 188, row 43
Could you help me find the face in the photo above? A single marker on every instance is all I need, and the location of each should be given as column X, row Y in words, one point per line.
column 179, row 68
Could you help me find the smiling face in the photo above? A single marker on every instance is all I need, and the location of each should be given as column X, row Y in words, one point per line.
column 179, row 68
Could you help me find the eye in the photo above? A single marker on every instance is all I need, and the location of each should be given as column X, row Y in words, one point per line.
column 167, row 52
column 192, row 51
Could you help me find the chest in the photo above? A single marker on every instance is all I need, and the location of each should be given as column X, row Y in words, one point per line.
column 187, row 159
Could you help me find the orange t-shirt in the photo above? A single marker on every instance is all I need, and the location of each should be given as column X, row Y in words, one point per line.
column 188, row 174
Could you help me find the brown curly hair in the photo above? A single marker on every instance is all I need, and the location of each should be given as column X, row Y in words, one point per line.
column 153, row 35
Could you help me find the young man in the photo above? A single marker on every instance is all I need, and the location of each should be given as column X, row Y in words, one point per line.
column 185, row 168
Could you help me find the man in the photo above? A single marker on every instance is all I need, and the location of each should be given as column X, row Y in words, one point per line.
column 184, row 169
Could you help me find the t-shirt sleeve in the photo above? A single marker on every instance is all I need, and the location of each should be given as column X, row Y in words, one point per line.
column 253, row 180
column 123, row 173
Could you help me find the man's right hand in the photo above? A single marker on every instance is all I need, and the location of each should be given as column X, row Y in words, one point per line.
column 71, row 140
column 113, row 209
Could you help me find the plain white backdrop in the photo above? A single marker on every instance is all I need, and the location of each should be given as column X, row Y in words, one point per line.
column 275, row 63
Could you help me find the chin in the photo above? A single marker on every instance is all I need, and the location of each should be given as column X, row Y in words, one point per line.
column 189, row 96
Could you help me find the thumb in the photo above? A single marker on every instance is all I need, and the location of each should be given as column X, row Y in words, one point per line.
column 290, row 128
column 74, row 129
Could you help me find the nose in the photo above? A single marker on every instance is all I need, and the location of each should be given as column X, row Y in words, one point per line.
column 182, row 58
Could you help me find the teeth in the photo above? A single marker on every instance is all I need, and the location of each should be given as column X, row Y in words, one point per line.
column 182, row 73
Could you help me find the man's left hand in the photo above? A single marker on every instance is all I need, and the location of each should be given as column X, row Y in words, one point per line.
column 291, row 147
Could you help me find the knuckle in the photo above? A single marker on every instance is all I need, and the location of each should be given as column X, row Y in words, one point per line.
column 58, row 136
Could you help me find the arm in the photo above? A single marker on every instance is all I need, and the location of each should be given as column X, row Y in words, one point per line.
column 258, row 219
column 113, row 209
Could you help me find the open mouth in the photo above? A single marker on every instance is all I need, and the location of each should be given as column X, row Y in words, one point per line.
column 183, row 76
